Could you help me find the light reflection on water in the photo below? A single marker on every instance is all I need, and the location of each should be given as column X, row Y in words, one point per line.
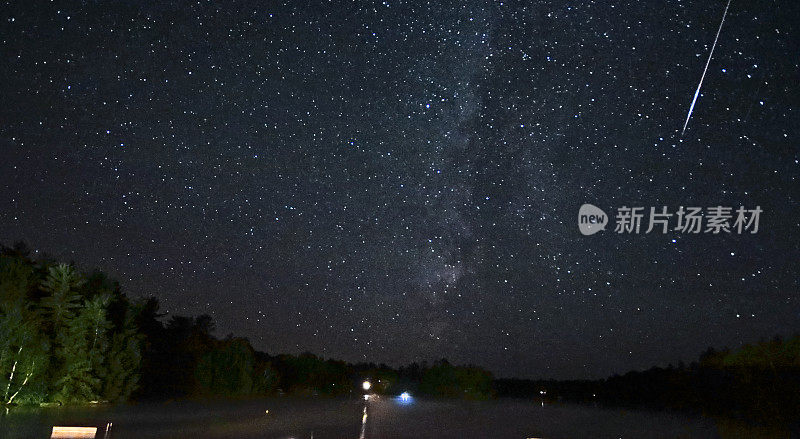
column 363, row 434
column 373, row 419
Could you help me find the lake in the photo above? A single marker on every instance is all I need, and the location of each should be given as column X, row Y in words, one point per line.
column 377, row 418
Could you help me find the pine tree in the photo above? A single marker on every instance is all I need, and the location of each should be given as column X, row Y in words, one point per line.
column 120, row 371
column 97, row 325
column 62, row 282
column 71, row 325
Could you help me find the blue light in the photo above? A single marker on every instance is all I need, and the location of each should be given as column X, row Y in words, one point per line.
column 405, row 397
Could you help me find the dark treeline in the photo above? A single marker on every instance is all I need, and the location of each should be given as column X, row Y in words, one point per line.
column 183, row 359
column 72, row 337
column 759, row 382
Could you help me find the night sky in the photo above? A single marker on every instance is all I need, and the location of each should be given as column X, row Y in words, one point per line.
column 399, row 180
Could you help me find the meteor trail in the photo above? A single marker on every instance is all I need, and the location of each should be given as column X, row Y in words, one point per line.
column 697, row 92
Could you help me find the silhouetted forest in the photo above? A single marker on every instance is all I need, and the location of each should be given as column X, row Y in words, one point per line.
column 182, row 359
column 73, row 337
column 68, row 336
column 758, row 381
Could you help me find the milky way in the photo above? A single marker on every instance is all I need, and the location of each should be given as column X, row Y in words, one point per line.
column 398, row 181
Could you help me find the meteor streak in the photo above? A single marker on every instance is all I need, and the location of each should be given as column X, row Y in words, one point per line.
column 697, row 92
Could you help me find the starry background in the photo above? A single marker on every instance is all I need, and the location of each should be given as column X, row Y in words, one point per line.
column 400, row 180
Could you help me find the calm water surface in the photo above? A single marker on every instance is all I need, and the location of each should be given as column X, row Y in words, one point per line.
column 377, row 418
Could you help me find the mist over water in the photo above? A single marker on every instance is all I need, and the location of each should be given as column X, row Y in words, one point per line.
column 383, row 418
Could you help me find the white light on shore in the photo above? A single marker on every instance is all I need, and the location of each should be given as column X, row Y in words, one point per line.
column 366, row 385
